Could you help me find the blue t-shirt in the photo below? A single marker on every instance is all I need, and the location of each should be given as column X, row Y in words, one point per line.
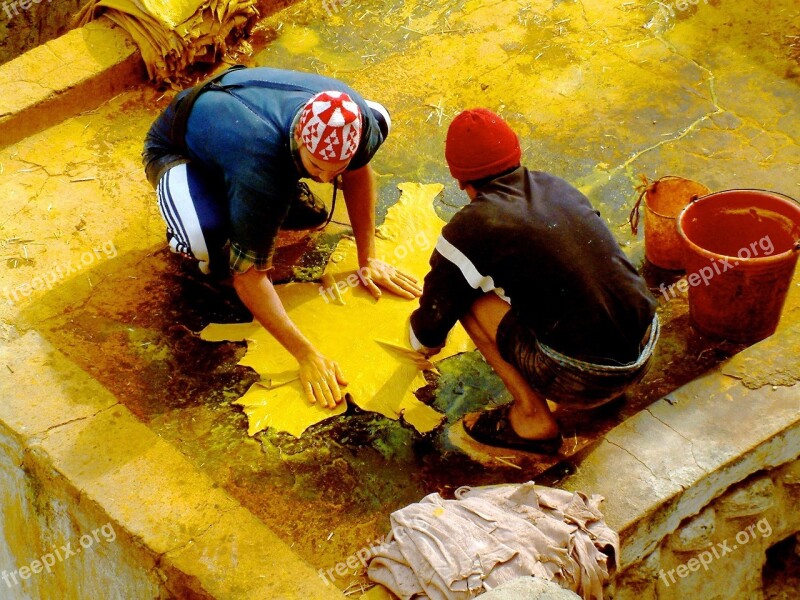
column 242, row 136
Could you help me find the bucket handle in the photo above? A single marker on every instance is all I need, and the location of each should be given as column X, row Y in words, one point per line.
column 643, row 188
column 633, row 217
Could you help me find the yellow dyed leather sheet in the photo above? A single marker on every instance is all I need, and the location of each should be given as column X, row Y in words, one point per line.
column 368, row 339
column 172, row 13
column 174, row 34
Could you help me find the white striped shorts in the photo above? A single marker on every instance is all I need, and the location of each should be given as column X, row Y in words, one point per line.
column 195, row 216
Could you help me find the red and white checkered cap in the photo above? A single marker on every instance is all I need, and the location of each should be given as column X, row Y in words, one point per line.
column 330, row 126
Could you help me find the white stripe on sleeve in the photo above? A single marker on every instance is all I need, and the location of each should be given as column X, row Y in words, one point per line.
column 474, row 278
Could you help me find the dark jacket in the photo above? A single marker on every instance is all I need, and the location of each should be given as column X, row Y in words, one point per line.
column 538, row 241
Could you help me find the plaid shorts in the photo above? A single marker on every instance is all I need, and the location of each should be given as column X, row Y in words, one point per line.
column 566, row 380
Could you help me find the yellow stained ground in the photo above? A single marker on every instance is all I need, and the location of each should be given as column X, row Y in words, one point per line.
column 355, row 331
column 599, row 91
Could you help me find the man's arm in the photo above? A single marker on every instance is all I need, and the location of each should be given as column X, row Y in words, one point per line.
column 320, row 377
column 446, row 298
column 360, row 195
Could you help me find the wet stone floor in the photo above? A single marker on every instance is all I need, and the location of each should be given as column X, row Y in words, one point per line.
column 599, row 93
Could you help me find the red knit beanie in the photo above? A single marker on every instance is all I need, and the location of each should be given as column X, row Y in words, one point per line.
column 480, row 144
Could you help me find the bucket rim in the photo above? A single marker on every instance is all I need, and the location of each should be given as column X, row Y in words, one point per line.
column 763, row 260
column 781, row 196
column 692, row 199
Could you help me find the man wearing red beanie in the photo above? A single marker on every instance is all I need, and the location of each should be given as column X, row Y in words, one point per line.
column 226, row 159
column 539, row 283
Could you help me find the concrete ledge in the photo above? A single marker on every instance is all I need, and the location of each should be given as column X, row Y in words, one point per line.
column 668, row 462
column 86, row 458
column 73, row 73
column 530, row 588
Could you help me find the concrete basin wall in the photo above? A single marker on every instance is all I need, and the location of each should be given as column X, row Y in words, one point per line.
column 705, row 480
column 124, row 513
column 55, row 544
column 76, row 72
column 721, row 551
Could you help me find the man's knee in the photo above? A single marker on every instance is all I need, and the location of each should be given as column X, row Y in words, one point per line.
column 477, row 329
column 472, row 327
column 488, row 310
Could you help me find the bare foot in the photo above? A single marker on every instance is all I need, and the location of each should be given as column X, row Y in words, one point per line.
column 532, row 426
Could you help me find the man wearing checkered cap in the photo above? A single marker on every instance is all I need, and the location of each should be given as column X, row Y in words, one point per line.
column 226, row 159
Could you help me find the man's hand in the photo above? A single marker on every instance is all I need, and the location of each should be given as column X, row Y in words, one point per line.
column 360, row 195
column 320, row 379
column 378, row 273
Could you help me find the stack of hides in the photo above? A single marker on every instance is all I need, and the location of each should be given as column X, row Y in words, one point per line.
column 455, row 549
column 173, row 34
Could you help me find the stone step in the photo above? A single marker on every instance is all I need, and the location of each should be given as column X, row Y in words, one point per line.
column 74, row 461
column 63, row 77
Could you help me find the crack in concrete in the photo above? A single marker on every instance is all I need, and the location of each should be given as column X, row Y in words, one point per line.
column 591, row 26
column 221, row 513
column 35, row 196
column 747, row 120
column 55, row 65
column 625, row 167
column 60, row 62
column 637, row 459
column 86, row 300
column 691, row 127
column 46, row 433
column 17, row 110
column 711, row 82
column 711, row 78
column 691, row 443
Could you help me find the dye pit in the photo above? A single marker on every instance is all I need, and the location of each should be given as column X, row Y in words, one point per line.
column 598, row 94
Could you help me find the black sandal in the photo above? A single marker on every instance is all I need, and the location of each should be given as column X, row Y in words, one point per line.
column 493, row 428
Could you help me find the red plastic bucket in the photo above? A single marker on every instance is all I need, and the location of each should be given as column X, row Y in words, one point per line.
column 740, row 252
column 664, row 199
